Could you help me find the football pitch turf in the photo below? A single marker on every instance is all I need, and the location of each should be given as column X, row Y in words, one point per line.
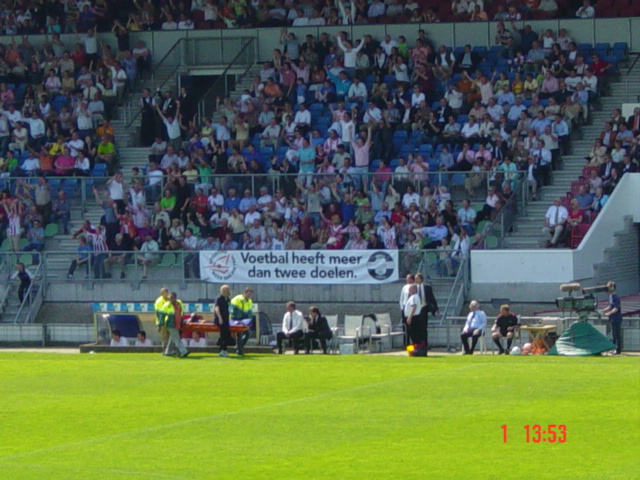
column 144, row 416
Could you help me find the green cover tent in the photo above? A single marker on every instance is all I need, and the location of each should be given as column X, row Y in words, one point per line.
column 581, row 339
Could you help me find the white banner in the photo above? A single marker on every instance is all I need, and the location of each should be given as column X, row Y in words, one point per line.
column 300, row 266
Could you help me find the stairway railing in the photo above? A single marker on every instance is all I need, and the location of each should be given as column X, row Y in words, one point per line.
column 245, row 59
column 192, row 52
column 33, row 298
column 626, row 81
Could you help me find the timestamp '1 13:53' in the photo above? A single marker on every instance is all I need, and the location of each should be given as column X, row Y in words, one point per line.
column 540, row 433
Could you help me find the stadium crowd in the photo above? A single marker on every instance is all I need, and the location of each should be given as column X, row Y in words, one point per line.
column 339, row 143
column 70, row 16
column 344, row 143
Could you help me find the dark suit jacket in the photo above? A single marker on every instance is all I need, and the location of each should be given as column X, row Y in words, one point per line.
column 603, row 169
column 475, row 60
column 622, row 168
column 446, row 112
column 630, row 122
column 320, row 326
column 432, row 304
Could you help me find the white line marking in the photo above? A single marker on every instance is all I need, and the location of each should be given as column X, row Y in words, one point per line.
column 227, row 414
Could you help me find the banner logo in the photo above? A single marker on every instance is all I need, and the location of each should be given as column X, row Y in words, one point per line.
column 222, row 266
column 381, row 266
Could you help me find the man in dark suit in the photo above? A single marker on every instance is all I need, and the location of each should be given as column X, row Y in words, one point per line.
column 428, row 302
column 317, row 329
column 443, row 112
column 626, row 166
column 604, row 172
column 467, row 60
column 167, row 104
column 633, row 122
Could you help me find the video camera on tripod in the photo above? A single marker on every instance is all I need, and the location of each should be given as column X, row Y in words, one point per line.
column 583, row 304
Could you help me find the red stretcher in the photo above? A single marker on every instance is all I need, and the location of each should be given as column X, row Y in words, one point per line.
column 196, row 323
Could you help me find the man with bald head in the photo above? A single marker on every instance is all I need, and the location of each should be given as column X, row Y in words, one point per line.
column 555, row 221
column 473, row 327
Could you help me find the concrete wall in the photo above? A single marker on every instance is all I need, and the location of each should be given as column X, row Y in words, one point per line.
column 583, row 31
column 525, row 275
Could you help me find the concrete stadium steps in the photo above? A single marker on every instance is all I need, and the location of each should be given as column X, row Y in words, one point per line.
column 621, row 261
column 528, row 228
column 133, row 157
column 12, row 306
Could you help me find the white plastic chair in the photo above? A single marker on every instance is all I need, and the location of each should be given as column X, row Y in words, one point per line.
column 350, row 331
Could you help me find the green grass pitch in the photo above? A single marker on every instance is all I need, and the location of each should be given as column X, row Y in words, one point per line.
column 127, row 416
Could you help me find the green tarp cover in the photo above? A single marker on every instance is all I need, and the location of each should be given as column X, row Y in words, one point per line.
column 581, row 338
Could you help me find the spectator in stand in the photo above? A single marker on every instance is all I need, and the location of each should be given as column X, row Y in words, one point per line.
column 82, row 257
column 117, row 256
column 555, row 223
column 61, row 211
column 586, row 10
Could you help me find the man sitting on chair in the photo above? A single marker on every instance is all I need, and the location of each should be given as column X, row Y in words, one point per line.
column 505, row 326
column 317, row 329
column 474, row 327
column 291, row 328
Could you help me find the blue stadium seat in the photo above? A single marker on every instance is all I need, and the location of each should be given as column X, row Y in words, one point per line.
column 585, row 48
column 425, row 149
column 434, row 164
column 480, row 50
column 99, row 170
column 407, row 149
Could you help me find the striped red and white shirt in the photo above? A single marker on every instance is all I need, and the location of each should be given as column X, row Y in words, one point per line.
column 99, row 242
column 14, row 225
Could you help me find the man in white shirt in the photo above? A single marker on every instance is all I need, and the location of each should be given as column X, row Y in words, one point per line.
column 37, row 130
column 173, row 129
column 416, row 97
column 90, row 42
column 473, row 327
column 470, row 129
column 13, row 115
column 586, row 10
column 411, row 311
column 31, row 165
column 388, row 44
column 373, row 114
column 404, row 297
column 142, row 340
column 555, row 221
column 467, row 216
column 117, row 340
column 291, row 328
column 215, row 199
column 357, row 91
column 154, row 181
column 302, row 118
column 76, row 144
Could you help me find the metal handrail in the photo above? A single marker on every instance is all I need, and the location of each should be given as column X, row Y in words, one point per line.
column 158, row 65
column 500, row 220
column 461, row 276
column 222, row 78
column 27, row 301
column 631, row 67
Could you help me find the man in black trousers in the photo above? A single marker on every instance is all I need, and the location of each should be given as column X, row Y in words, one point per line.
column 317, row 329
column 221, row 318
column 427, row 301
